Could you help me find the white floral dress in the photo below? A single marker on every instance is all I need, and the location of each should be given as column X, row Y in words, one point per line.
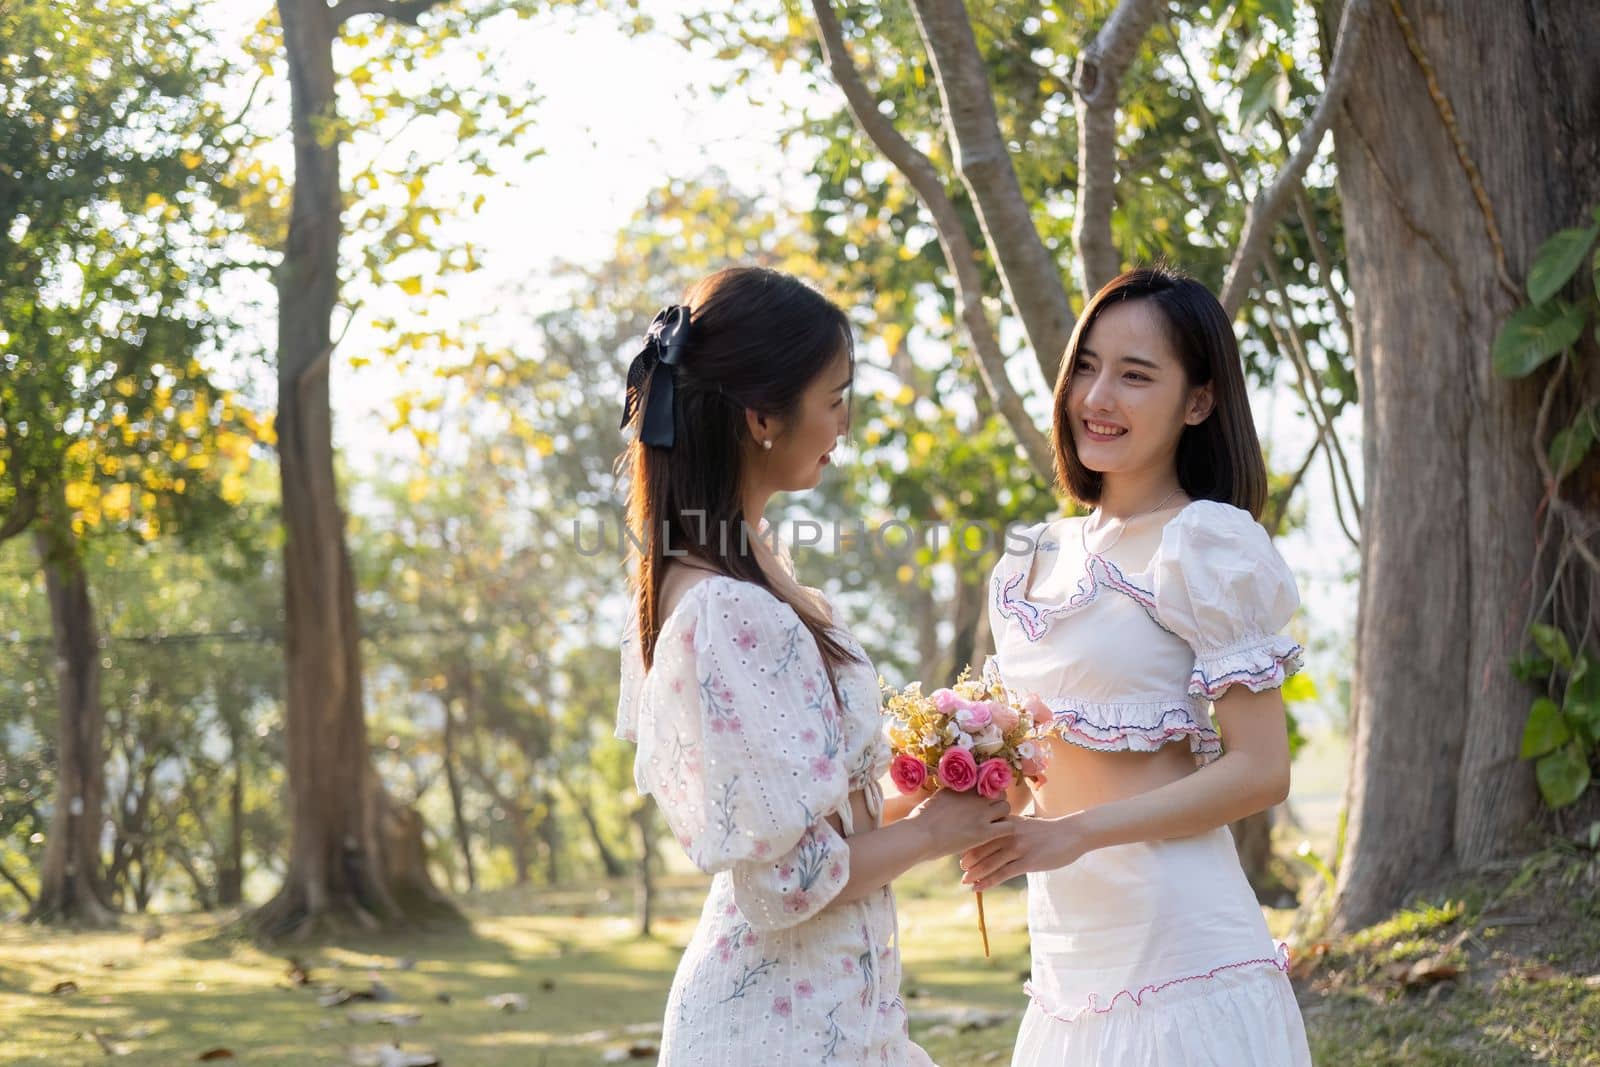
column 746, row 752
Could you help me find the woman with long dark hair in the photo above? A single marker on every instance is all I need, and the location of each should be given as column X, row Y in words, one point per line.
column 755, row 712
column 1134, row 625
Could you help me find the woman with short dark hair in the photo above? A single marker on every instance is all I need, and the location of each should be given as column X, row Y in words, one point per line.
column 1134, row 625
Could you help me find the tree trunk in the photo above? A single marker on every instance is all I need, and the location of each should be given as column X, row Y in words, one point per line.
column 453, row 780
column 550, row 833
column 1451, row 484
column 521, row 846
column 71, row 889
column 969, row 614
column 1252, row 836
column 230, row 872
column 644, row 897
column 612, row 866
column 340, row 816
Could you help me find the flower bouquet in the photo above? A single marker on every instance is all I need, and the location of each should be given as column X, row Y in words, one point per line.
column 972, row 735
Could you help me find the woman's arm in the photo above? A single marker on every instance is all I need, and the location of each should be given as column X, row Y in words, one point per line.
column 939, row 825
column 1252, row 775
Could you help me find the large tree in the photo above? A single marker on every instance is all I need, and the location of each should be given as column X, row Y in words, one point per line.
column 1472, row 135
column 108, row 162
column 356, row 856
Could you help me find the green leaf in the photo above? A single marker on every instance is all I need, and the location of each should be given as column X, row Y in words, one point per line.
column 1546, row 729
column 1299, row 687
column 1533, row 334
column 1597, row 268
column 1558, row 260
column 1532, row 669
column 1563, row 776
column 1553, row 643
column 1259, row 88
column 1582, row 701
column 1568, row 447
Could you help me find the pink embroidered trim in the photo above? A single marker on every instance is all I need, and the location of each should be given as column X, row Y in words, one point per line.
column 1280, row 961
column 1255, row 679
column 1035, row 618
column 1072, row 727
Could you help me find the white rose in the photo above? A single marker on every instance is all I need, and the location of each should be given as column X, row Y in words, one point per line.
column 989, row 740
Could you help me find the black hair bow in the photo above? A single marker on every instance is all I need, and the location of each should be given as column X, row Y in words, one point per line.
column 663, row 347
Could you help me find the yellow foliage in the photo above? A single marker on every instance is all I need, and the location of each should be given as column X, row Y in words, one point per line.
column 116, row 503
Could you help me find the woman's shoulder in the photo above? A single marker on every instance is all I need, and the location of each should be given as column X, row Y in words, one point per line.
column 1203, row 525
column 718, row 597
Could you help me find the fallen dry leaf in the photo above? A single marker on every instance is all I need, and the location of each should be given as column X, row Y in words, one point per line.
column 384, row 1018
column 508, row 1002
column 391, row 1056
column 1428, row 970
column 64, row 989
column 218, row 1053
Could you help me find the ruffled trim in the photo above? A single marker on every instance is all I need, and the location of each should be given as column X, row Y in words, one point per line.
column 1280, row 960
column 1265, row 664
column 1133, row 727
column 1034, row 617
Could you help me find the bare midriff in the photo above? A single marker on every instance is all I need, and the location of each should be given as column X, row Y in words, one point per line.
column 1081, row 778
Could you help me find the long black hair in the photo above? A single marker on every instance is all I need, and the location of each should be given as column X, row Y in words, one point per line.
column 756, row 339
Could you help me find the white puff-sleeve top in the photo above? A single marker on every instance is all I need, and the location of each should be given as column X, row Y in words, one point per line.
column 1131, row 660
column 747, row 751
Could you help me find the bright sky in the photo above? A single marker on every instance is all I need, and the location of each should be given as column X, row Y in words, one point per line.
column 618, row 116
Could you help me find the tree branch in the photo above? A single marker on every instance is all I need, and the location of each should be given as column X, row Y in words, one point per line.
column 1029, row 273
column 1270, row 203
column 1299, row 476
column 1313, row 384
column 22, row 513
column 959, row 253
column 16, row 884
column 1095, row 86
column 407, row 11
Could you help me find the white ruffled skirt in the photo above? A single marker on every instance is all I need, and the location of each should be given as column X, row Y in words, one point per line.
column 1156, row 954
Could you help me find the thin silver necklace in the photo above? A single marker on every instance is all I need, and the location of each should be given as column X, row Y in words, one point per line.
column 1083, row 531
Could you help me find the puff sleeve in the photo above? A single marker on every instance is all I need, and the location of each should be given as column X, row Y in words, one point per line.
column 740, row 741
column 1222, row 587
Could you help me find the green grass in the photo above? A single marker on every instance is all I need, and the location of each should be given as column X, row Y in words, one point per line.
column 1526, row 949
column 592, row 987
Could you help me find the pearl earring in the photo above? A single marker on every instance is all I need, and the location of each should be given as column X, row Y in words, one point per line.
column 767, row 445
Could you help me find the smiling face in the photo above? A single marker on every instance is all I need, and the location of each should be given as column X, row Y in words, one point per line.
column 803, row 442
column 1129, row 397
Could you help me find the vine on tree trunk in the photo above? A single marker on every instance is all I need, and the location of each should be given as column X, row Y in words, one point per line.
column 1562, row 734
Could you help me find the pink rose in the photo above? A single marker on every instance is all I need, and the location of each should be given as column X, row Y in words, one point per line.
column 994, row 778
column 1038, row 709
column 946, row 700
column 1035, row 757
column 974, row 717
column 958, row 770
column 782, row 1006
column 804, row 989
column 1005, row 716
column 796, row 901
column 908, row 773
